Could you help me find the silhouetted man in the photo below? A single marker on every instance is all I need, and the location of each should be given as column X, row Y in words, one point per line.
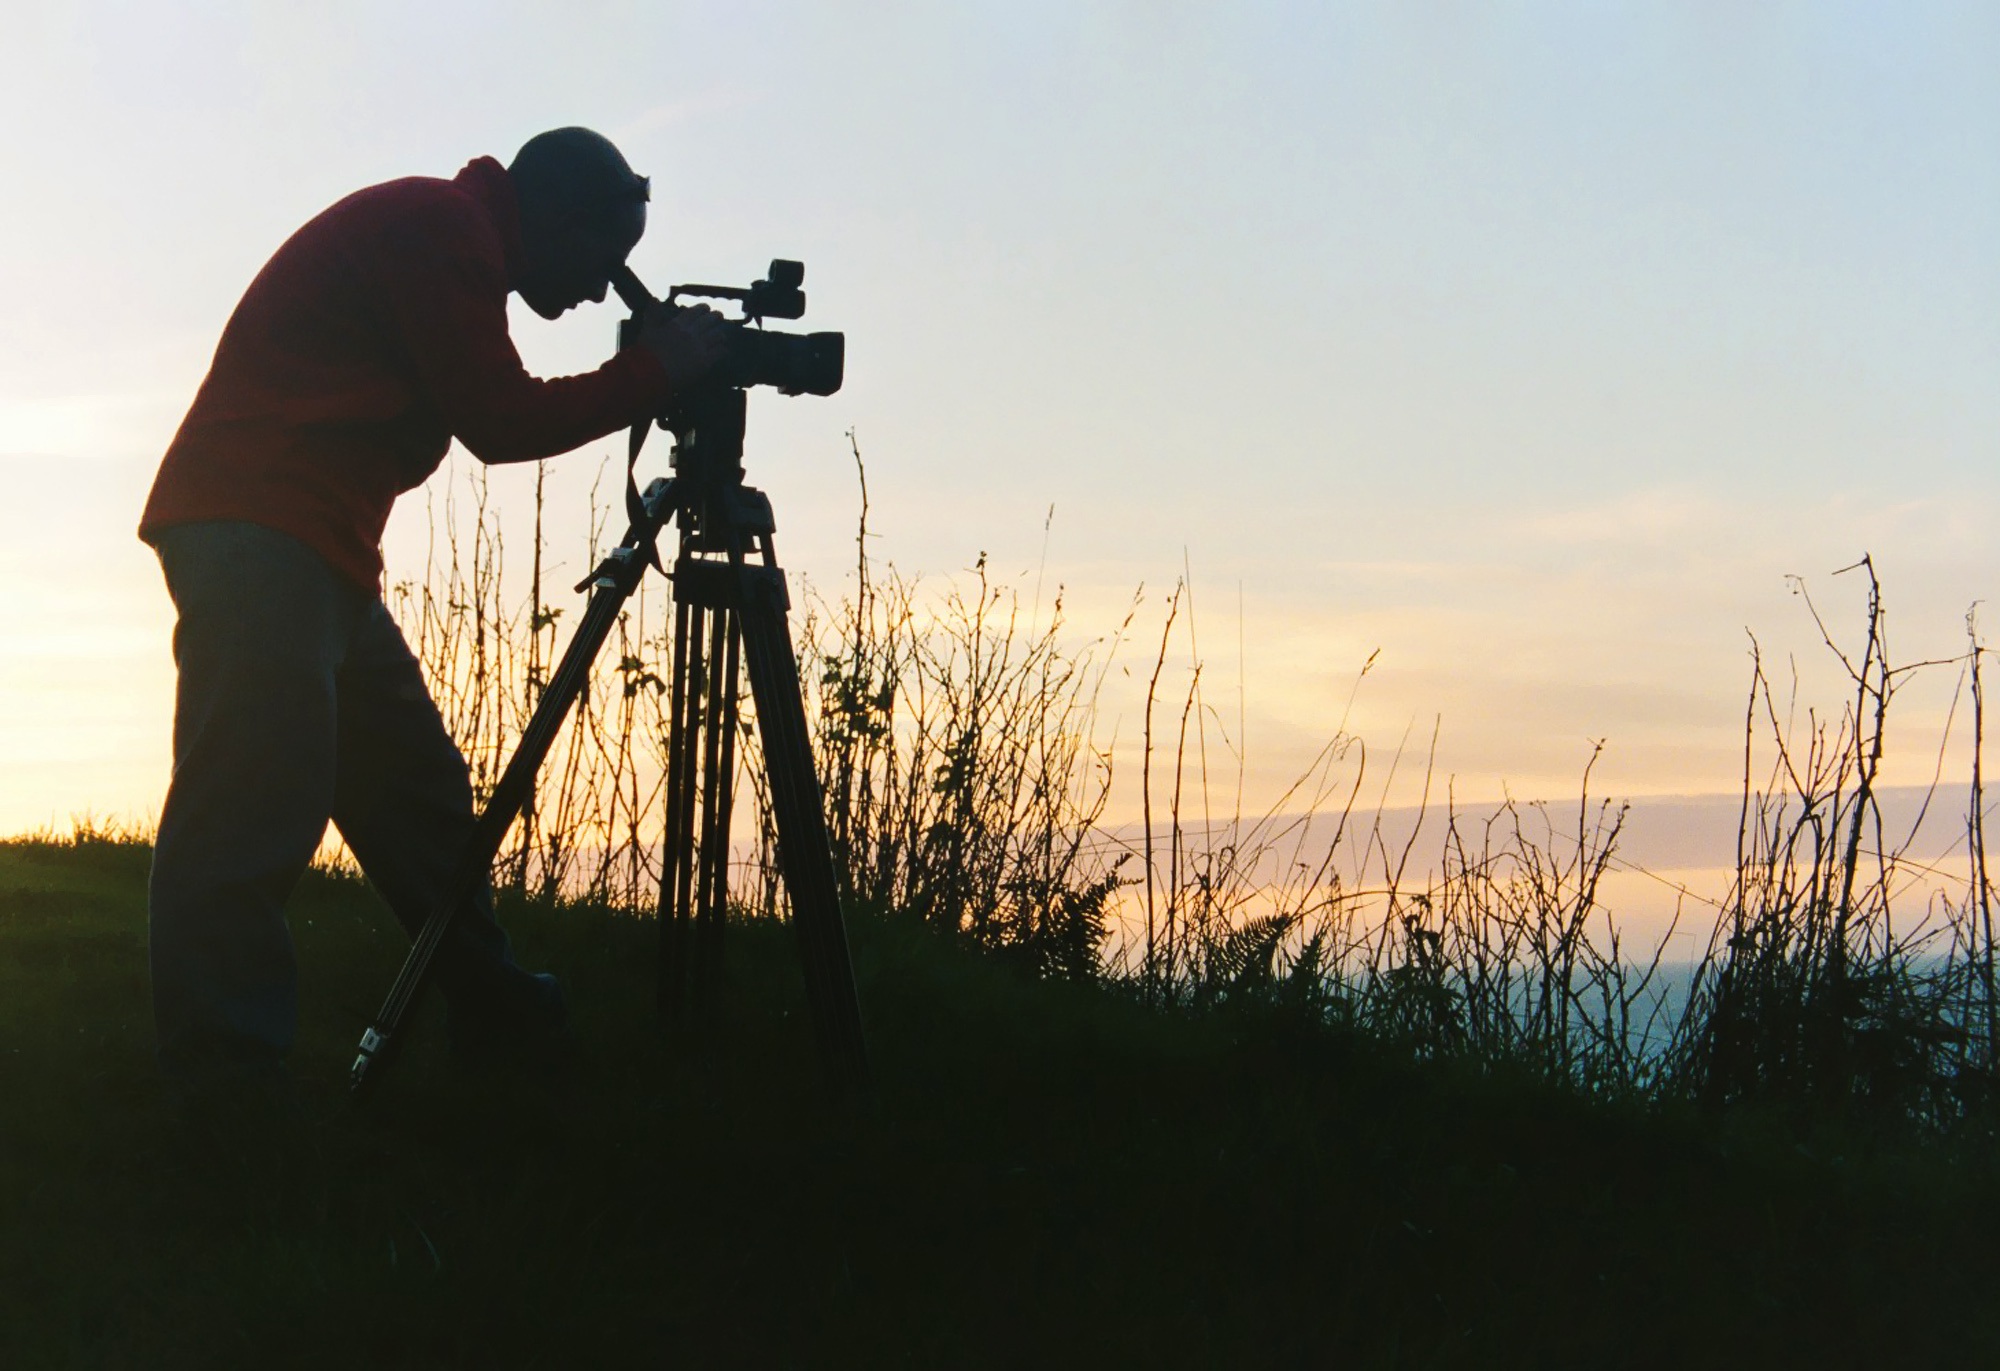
column 375, row 335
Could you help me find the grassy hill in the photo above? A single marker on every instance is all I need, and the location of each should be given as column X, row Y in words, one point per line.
column 1050, row 1175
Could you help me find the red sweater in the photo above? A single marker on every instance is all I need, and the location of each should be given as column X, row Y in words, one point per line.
column 373, row 337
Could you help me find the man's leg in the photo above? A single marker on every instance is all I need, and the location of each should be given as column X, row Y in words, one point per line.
column 262, row 626
column 403, row 802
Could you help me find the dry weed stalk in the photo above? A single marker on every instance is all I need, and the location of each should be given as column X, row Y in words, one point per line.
column 1813, row 994
column 956, row 735
column 591, row 828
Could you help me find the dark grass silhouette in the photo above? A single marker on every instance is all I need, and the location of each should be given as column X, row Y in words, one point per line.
column 1053, row 1175
column 1313, row 1110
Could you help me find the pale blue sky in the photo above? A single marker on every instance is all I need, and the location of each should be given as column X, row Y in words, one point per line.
column 1531, row 343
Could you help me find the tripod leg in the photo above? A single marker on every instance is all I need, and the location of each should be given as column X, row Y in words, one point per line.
column 712, row 856
column 708, row 937
column 798, row 807
column 677, row 865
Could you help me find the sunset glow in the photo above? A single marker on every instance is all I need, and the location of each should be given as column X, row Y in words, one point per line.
column 1529, row 354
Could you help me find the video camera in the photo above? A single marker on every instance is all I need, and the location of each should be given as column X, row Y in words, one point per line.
column 795, row 363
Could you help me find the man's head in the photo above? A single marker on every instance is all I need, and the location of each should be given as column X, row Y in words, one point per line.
column 582, row 210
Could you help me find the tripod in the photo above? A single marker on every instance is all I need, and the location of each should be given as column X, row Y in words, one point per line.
column 730, row 610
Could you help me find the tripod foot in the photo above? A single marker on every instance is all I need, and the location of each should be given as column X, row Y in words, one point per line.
column 362, row 1075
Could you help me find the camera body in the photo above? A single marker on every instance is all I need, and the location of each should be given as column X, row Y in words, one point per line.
column 792, row 363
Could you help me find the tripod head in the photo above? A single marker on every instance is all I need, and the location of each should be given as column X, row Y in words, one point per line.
column 707, row 420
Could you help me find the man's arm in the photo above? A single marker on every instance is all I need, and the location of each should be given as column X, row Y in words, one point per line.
column 444, row 291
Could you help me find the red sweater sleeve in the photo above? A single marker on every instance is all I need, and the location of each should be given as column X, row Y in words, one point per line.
column 444, row 287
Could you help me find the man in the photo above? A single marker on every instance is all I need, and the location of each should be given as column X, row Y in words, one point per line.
column 375, row 335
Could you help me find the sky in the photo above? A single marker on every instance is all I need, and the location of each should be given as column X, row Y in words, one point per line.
column 1527, row 349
